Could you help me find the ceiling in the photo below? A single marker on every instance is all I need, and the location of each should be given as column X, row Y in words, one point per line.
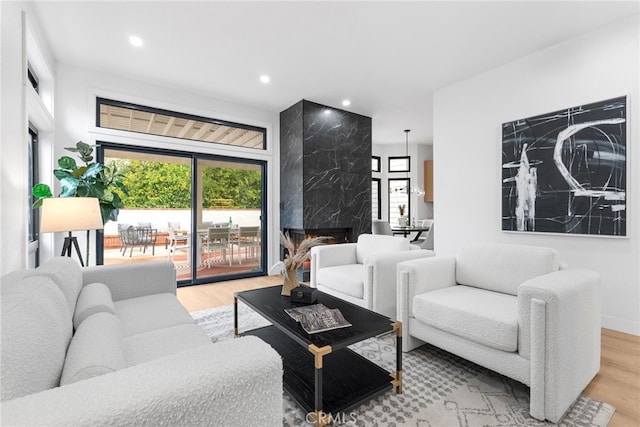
column 387, row 58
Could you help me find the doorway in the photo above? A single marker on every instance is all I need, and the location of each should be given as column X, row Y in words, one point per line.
column 204, row 213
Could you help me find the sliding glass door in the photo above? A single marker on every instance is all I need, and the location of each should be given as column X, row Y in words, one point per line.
column 229, row 212
column 204, row 213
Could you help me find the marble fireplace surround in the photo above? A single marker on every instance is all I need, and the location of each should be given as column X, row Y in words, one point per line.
column 325, row 170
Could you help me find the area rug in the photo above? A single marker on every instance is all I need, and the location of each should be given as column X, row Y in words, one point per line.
column 439, row 388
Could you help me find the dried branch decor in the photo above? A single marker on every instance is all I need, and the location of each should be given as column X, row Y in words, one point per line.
column 295, row 257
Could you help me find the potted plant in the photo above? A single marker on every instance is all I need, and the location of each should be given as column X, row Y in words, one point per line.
column 402, row 221
column 91, row 180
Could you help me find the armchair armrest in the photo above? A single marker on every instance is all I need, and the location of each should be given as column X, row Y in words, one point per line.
column 133, row 280
column 380, row 277
column 330, row 255
column 230, row 383
column 418, row 276
column 559, row 319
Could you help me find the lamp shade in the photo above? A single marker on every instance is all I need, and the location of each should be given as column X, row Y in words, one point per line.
column 70, row 214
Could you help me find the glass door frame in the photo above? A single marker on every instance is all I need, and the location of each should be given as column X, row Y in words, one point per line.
column 101, row 146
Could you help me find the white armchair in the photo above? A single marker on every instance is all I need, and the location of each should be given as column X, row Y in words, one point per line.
column 363, row 273
column 513, row 309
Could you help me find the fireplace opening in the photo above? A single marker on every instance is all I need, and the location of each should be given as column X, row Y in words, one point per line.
column 335, row 236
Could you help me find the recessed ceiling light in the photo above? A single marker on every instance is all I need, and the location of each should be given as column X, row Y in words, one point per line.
column 265, row 79
column 346, row 103
column 135, row 41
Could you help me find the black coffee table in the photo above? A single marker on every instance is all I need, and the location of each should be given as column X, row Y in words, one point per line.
column 321, row 374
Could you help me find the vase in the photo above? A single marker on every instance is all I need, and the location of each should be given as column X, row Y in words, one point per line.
column 290, row 281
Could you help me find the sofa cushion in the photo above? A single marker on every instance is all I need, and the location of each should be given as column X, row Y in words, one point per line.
column 152, row 345
column 94, row 298
column 95, row 349
column 503, row 268
column 348, row 279
column 486, row 317
column 65, row 272
column 36, row 330
column 144, row 314
column 369, row 244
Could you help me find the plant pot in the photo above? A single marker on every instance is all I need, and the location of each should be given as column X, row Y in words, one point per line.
column 290, row 281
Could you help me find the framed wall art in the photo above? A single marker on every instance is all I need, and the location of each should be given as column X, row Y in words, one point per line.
column 566, row 171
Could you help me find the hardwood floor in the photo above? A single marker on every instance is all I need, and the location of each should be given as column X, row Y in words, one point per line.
column 199, row 297
column 617, row 383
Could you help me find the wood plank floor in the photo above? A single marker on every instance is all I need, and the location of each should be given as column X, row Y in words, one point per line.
column 617, row 383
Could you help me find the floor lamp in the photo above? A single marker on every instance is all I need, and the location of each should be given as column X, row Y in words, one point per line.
column 70, row 214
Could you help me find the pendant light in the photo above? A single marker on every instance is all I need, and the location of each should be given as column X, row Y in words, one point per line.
column 414, row 189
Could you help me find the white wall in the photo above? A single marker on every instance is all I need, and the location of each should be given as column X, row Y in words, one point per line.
column 19, row 39
column 13, row 184
column 467, row 167
column 77, row 88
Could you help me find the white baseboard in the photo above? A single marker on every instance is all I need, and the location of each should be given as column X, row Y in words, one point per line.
column 621, row 325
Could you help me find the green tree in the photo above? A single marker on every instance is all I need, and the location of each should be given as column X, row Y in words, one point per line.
column 168, row 185
column 157, row 185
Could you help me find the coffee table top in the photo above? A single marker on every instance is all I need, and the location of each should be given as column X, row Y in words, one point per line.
column 270, row 304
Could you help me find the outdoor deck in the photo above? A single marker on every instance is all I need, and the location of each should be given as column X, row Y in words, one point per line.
column 218, row 267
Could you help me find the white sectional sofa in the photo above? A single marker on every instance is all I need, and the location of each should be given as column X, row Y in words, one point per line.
column 512, row 309
column 111, row 345
column 363, row 273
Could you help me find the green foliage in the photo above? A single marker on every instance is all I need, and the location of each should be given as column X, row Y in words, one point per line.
column 91, row 180
column 168, row 185
column 157, row 185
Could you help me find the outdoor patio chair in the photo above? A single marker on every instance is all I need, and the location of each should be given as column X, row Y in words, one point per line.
column 249, row 239
column 218, row 239
column 148, row 236
column 137, row 236
column 177, row 241
column 121, row 229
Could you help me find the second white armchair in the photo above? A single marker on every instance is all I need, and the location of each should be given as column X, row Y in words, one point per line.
column 363, row 273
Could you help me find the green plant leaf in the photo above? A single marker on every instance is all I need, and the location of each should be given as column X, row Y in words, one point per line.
column 107, row 196
column 69, row 187
column 38, row 203
column 117, row 201
column 68, row 163
column 77, row 173
column 42, row 191
column 83, row 191
column 93, row 169
column 122, row 187
column 62, row 174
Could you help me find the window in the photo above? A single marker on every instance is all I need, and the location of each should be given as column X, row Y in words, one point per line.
column 398, row 197
column 375, row 164
column 376, row 199
column 399, row 164
column 33, row 78
column 154, row 121
column 34, row 214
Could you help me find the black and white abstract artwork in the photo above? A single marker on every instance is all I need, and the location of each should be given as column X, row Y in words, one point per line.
column 566, row 171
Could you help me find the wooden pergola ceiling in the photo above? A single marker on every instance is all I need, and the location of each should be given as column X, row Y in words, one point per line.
column 159, row 124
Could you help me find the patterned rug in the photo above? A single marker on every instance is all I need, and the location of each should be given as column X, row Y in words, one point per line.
column 439, row 388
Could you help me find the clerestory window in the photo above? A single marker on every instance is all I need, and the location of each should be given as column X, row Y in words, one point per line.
column 153, row 121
